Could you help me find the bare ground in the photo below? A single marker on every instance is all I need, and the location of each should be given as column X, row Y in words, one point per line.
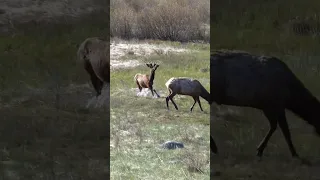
column 139, row 50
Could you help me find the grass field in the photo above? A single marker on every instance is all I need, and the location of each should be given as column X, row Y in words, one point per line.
column 238, row 130
column 46, row 130
column 140, row 123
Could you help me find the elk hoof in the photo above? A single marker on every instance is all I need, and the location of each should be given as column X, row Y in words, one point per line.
column 259, row 153
column 258, row 159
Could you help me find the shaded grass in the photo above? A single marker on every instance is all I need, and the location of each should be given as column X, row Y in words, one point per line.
column 253, row 29
column 46, row 132
column 238, row 137
column 140, row 124
column 47, row 141
column 46, row 51
column 266, row 41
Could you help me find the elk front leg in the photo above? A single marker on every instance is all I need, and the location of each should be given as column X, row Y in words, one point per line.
column 96, row 82
column 198, row 99
column 156, row 93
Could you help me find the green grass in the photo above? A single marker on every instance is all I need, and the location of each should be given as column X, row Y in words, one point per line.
column 46, row 132
column 238, row 130
column 140, row 124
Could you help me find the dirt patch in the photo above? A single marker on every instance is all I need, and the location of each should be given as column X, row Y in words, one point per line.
column 116, row 64
column 121, row 49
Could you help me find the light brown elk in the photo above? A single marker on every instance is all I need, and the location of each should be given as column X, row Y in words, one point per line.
column 186, row 86
column 93, row 54
column 145, row 80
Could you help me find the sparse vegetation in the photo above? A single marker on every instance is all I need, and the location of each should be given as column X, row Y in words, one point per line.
column 140, row 124
column 266, row 27
column 158, row 32
column 46, row 131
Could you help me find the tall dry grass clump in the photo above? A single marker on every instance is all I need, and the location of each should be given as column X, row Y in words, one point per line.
column 122, row 21
column 175, row 20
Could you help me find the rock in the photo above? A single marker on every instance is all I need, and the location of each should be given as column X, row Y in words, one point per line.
column 172, row 145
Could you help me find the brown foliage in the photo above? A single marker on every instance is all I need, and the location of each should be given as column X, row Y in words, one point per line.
column 179, row 20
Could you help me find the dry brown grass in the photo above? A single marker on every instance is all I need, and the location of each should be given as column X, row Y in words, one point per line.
column 179, row 20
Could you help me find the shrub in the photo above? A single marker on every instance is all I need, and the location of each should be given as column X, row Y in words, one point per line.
column 178, row 20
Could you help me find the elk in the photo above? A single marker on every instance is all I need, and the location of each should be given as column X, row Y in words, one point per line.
column 213, row 146
column 92, row 52
column 266, row 83
column 146, row 81
column 186, row 86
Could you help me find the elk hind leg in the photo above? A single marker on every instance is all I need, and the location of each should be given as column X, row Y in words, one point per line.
column 273, row 118
column 195, row 101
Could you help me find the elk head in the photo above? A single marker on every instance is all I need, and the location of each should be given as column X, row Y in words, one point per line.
column 153, row 66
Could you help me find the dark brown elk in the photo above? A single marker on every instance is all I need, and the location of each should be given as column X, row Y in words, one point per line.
column 265, row 83
column 145, row 80
column 186, row 86
column 93, row 54
column 213, row 145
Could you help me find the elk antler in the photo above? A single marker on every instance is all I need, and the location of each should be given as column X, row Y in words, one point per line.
column 156, row 66
column 152, row 65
